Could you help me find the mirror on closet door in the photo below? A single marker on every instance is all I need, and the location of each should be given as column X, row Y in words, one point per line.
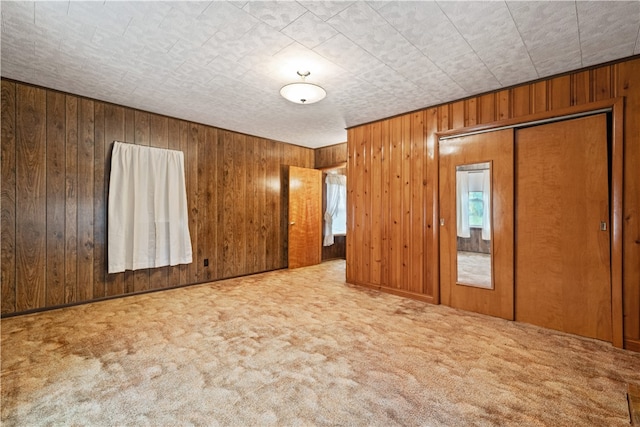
column 473, row 225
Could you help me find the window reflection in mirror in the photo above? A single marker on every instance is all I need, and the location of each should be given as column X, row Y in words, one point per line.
column 473, row 225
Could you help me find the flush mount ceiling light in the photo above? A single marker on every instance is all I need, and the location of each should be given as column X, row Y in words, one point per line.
column 303, row 92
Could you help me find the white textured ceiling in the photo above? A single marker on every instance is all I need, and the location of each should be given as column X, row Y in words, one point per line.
column 223, row 63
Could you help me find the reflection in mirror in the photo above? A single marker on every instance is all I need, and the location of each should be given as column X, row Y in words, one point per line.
column 473, row 225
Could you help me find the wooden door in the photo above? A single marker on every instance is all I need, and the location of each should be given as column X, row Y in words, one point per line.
column 305, row 217
column 562, row 222
column 497, row 149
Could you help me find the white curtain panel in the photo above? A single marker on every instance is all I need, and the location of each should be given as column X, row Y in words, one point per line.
column 336, row 193
column 148, row 223
column 462, row 204
column 486, row 205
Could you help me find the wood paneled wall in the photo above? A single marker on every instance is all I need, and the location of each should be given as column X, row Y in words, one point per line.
column 392, row 175
column 330, row 156
column 56, row 152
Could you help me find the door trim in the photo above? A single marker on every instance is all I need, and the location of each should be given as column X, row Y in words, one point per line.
column 616, row 107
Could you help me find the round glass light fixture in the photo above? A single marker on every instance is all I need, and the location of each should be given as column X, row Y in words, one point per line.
column 303, row 92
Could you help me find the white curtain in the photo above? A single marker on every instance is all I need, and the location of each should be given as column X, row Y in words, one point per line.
column 486, row 205
column 336, row 194
column 462, row 204
column 148, row 224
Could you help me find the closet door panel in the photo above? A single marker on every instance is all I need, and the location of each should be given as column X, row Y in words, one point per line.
column 562, row 227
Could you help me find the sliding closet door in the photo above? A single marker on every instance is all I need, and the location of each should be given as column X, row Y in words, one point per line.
column 562, row 227
column 476, row 225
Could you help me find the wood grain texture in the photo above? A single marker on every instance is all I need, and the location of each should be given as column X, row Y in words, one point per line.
column 56, row 161
column 100, row 203
column 563, row 258
column 113, row 131
column 86, row 117
column 497, row 148
column 71, row 201
column 330, row 156
column 305, row 217
column 30, row 198
column 55, row 166
column 8, row 198
column 628, row 85
column 580, row 88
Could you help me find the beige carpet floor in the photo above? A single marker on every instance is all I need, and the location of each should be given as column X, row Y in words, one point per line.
column 301, row 348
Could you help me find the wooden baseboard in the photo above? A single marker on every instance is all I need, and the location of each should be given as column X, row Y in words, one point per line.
column 394, row 291
column 633, row 345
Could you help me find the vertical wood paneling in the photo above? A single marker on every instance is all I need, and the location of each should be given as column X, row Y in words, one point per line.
column 580, row 88
column 377, row 206
column 188, row 165
column 352, row 232
column 487, row 109
column 443, row 118
column 390, row 221
column 55, row 197
column 30, row 197
column 503, row 107
column 56, row 160
column 71, row 201
column 330, row 156
column 405, row 219
column 395, row 203
column 458, row 111
column 261, row 201
column 471, row 112
column 8, row 199
column 560, row 92
column 366, row 203
column 416, row 187
column 100, row 204
column 601, row 87
column 628, row 85
column 252, row 232
column 191, row 178
column 539, row 97
column 227, row 201
column 239, row 253
column 432, row 273
column 114, row 123
column 271, row 217
column 521, row 101
column 385, row 158
column 207, row 200
column 86, row 178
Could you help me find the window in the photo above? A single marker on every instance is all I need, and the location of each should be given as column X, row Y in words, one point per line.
column 476, row 209
column 339, row 224
column 335, row 217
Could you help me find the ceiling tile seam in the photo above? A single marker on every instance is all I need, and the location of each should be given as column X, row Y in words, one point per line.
column 435, row 63
column 515, row 24
column 469, row 44
column 575, row 5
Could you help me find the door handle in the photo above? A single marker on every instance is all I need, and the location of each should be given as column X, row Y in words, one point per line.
column 603, row 226
column 292, row 223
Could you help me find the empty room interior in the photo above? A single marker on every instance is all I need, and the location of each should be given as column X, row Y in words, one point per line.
column 303, row 213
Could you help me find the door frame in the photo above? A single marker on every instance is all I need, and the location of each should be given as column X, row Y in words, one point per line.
column 615, row 106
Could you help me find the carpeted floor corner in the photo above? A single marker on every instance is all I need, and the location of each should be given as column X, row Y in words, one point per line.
column 301, row 348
